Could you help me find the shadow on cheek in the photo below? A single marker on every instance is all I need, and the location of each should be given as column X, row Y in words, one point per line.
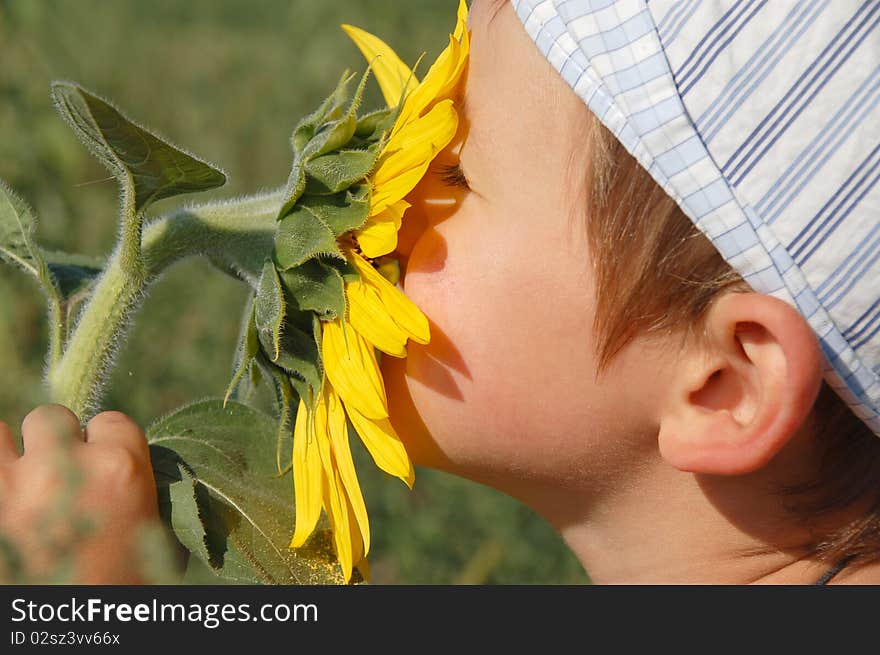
column 432, row 365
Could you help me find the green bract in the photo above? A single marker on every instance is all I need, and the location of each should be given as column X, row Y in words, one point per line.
column 218, row 463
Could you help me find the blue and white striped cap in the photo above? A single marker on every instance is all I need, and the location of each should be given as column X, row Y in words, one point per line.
column 762, row 120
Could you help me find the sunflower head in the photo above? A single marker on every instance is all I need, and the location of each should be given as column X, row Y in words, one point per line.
column 325, row 304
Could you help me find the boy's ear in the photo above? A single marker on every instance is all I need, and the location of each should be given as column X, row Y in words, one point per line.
column 737, row 399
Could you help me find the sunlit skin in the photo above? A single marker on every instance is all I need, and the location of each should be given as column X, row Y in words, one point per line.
column 660, row 469
column 114, row 491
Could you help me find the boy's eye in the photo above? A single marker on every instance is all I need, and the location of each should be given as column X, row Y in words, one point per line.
column 453, row 176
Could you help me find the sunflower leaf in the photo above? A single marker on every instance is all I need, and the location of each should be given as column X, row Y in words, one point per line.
column 269, row 310
column 73, row 273
column 241, row 511
column 147, row 167
column 16, row 239
column 316, row 287
column 186, row 521
column 301, row 236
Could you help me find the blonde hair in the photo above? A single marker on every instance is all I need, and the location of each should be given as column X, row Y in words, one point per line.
column 657, row 274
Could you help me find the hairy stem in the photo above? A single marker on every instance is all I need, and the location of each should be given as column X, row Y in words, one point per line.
column 235, row 235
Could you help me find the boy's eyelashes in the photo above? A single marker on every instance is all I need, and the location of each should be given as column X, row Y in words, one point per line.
column 453, row 176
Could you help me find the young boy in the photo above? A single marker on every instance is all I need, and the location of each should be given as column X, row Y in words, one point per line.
column 592, row 353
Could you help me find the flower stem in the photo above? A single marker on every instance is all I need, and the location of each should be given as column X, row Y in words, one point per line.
column 235, row 235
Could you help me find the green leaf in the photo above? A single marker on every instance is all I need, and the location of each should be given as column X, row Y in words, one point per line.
column 245, row 509
column 316, row 287
column 16, row 238
column 343, row 211
column 269, row 310
column 186, row 521
column 301, row 236
column 73, row 273
column 339, row 170
column 146, row 165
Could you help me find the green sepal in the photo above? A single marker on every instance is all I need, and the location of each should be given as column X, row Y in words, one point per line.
column 299, row 356
column 346, row 270
column 249, row 346
column 372, row 125
column 315, row 287
column 335, row 134
column 301, row 236
column 270, row 310
column 146, row 166
column 330, row 109
column 332, row 173
column 341, row 212
column 323, row 131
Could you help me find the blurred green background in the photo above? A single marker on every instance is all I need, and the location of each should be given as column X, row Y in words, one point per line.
column 227, row 80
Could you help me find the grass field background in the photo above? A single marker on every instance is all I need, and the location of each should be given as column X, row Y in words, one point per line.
column 227, row 80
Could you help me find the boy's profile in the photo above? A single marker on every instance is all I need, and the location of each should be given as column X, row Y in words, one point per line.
column 597, row 355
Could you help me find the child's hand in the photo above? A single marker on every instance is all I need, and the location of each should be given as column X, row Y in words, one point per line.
column 76, row 494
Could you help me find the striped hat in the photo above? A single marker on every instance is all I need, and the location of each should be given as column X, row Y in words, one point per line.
column 762, row 120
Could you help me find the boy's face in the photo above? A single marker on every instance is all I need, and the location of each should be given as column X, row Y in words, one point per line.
column 507, row 391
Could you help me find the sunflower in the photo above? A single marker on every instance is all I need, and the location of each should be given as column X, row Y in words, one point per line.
column 379, row 316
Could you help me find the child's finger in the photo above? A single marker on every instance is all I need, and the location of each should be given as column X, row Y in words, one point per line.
column 8, row 451
column 117, row 429
column 49, row 426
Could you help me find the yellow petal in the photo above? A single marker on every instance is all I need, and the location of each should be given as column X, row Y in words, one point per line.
column 394, row 77
column 350, row 364
column 402, row 310
column 306, row 477
column 354, row 533
column 364, row 568
column 338, row 429
column 461, row 20
column 384, row 445
column 389, row 268
column 417, row 142
column 370, row 318
column 395, row 189
column 394, row 213
column 443, row 79
column 377, row 237
column 440, row 79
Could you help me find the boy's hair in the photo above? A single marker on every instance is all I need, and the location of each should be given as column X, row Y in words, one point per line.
column 658, row 274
